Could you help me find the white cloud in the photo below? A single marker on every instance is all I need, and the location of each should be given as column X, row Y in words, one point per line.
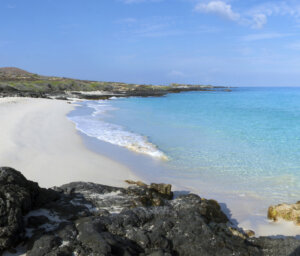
column 220, row 8
column 277, row 8
column 261, row 12
column 223, row 9
column 259, row 20
column 264, row 36
column 255, row 17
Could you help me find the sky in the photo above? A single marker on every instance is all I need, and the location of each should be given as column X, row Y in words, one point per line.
column 222, row 42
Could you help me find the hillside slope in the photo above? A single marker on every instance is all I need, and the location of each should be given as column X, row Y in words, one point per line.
column 18, row 82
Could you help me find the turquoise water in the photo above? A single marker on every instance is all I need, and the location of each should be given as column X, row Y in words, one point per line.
column 244, row 142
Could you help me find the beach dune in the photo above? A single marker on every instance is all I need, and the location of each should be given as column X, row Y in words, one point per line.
column 37, row 139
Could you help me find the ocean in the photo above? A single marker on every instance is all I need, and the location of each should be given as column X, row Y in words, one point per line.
column 240, row 147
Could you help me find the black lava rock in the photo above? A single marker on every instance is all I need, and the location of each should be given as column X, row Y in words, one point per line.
column 91, row 219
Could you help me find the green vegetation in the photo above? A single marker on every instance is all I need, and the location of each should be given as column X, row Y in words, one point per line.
column 14, row 79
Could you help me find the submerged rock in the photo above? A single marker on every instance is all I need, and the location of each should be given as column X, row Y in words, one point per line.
column 91, row 219
column 288, row 212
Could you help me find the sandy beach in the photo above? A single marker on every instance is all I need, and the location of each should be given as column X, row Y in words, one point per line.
column 38, row 140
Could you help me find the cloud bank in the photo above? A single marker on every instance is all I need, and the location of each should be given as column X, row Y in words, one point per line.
column 218, row 7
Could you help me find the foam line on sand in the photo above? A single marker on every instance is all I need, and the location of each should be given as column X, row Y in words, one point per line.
column 37, row 139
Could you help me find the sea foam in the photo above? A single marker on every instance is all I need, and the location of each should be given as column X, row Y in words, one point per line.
column 93, row 125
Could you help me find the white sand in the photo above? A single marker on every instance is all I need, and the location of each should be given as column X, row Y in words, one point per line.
column 37, row 139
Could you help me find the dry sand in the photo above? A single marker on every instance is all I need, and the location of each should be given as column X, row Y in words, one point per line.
column 37, row 139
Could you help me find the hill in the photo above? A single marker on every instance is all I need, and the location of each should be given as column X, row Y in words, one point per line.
column 11, row 71
column 18, row 82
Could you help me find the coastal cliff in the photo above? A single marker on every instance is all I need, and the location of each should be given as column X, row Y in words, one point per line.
column 92, row 219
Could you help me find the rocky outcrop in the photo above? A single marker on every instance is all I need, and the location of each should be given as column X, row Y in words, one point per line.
column 288, row 212
column 92, row 219
column 164, row 190
column 17, row 197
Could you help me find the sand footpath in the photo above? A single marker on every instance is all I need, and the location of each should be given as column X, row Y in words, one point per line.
column 37, row 139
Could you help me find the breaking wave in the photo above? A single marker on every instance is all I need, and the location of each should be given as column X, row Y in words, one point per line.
column 93, row 125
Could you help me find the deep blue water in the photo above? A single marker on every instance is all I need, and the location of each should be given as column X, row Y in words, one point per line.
column 243, row 142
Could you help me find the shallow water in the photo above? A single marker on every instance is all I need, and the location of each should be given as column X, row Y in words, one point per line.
column 241, row 147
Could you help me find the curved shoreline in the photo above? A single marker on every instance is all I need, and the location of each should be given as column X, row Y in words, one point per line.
column 93, row 125
column 38, row 139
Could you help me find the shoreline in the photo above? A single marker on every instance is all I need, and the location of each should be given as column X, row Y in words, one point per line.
column 40, row 141
column 243, row 210
column 39, row 130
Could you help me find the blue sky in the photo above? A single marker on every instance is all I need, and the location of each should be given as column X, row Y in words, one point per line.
column 230, row 43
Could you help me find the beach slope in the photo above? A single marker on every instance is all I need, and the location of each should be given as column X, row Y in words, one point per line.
column 38, row 139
